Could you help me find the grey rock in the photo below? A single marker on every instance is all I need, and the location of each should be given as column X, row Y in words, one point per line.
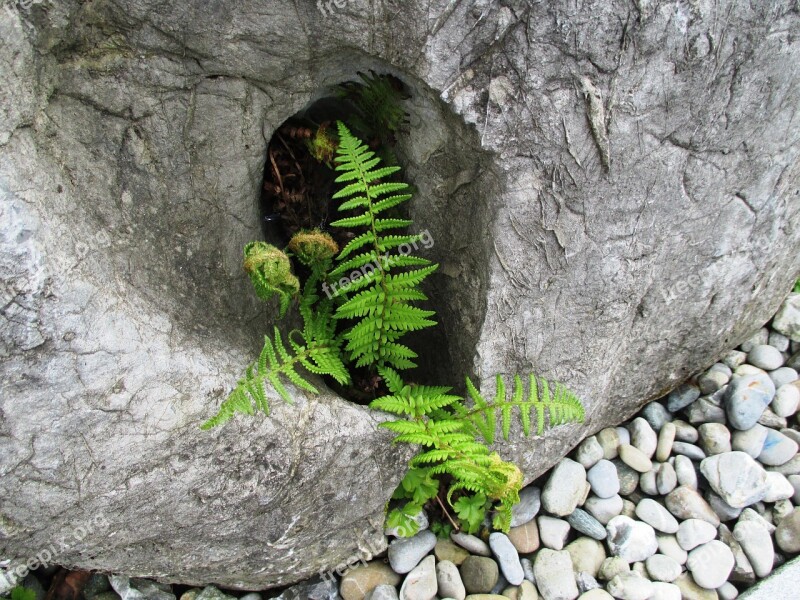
column 782, row 376
column 612, row 566
column 479, row 574
column 765, row 357
column 608, row 439
column 770, row 419
column 724, row 511
column 554, row 577
column 775, row 586
column 685, row 432
column 643, row 437
column 682, row 396
column 715, row 438
column 742, row 569
column 586, row 582
column 750, row 441
column 787, row 534
column 212, row 593
column 714, row 378
column 605, row 509
column 628, row 478
column 757, row 545
column 665, row 591
column 656, row 414
column 666, row 436
column 472, row 543
column 795, row 481
column 647, row 481
column 589, row 452
column 604, row 479
column 144, row 589
column 695, row 532
column 688, row 450
column 528, row 506
column 97, row 584
column 757, row 516
column 668, row 546
column 587, row 555
column 778, row 341
column 582, row 521
column 406, row 553
column 736, row 477
column 787, row 319
column 131, row 172
column 685, row 472
column 623, row 434
column 666, row 479
column 635, row 458
column 759, row 338
column 788, row 468
column 564, row 488
column 630, row 586
column 778, row 449
column 779, row 488
column 507, row 557
column 631, row 540
column 257, row 596
column 553, row 532
column 686, row 503
column 746, row 399
column 527, row 568
column 656, row 515
column 704, row 410
column 421, row 582
column 386, row 592
column 661, row 567
column 786, row 400
column 710, row 564
column 734, row 358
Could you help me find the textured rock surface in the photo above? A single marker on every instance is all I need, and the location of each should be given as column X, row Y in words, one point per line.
column 601, row 145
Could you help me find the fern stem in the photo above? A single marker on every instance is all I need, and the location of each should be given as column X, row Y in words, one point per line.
column 447, row 513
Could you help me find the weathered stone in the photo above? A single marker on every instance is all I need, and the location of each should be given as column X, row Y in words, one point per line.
column 587, row 555
column 736, row 477
column 631, row 540
column 361, row 580
column 479, row 574
column 564, row 488
column 686, row 503
column 554, row 577
column 421, row 582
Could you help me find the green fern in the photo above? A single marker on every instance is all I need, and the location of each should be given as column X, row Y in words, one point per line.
column 449, row 433
column 377, row 100
column 379, row 297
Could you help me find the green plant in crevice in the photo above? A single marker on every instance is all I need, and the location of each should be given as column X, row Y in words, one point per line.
column 454, row 437
column 796, row 288
column 22, row 593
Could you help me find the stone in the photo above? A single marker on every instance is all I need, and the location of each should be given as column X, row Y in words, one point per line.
column 471, row 543
column 647, row 481
column 589, row 451
column 750, row 441
column 742, row 569
column 787, row 319
column 554, row 578
column 528, row 506
column 630, row 586
column 724, row 511
column 778, row 341
column 685, row 432
column 479, row 574
column 310, row 589
column 757, row 516
column 665, row 591
column 631, row 540
column 525, row 591
column 759, row 338
column 598, row 594
column 666, row 479
column 781, row 509
column 685, row 503
column 661, row 567
column 525, row 538
column 655, row 515
column 715, row 438
column 553, row 532
column 682, row 396
column 787, row 534
column 685, row 472
column 694, row 532
column 727, row 591
column 668, row 545
column 734, row 358
column 643, row 437
column 765, row 357
column 628, row 508
column 585, row 523
column 736, row 477
column 704, row 410
column 382, row 592
column 623, row 434
column 447, row 550
column 779, row 488
column 710, row 564
column 746, row 399
column 360, row 580
column 778, row 449
column 628, row 478
column 608, row 439
column 507, row 557
column 605, row 509
column 635, row 458
column 691, row 591
column 757, row 545
column 688, row 450
column 421, row 582
column 406, row 553
column 786, row 400
column 132, row 161
column 604, row 479
column 449, row 581
column 564, row 488
column 585, row 582
column 587, row 555
column 714, row 378
column 783, row 376
column 771, row 420
column 135, row 588
column 788, row 468
column 795, row 481
column 665, row 438
column 656, row 414
column 612, row 566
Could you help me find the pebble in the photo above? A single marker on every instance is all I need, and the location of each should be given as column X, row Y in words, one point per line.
column 420, row 583
column 623, row 434
column 406, row 553
column 479, row 574
column 694, row 532
column 686, row 503
column 643, row 438
column 710, row 564
column 666, row 479
column 688, row 450
column 770, row 419
column 665, row 438
column 684, row 432
column 360, row 580
column 628, row 508
column 742, row 569
column 554, row 577
column 663, row 568
column 778, row 341
column 727, row 591
column 724, row 511
column 604, row 479
column 507, row 557
column 473, row 544
column 525, row 537
column 631, row 540
column 751, row 441
column 612, row 566
column 665, row 591
column 783, row 376
column 608, row 439
column 787, row 534
column 585, row 582
column 790, row 468
column 525, row 591
column 734, row 358
column 596, row 595
column 713, row 379
column 682, row 396
column 778, row 488
column 605, row 509
column 589, row 452
column 765, row 357
column 787, row 319
column 447, row 550
column 553, row 532
column 628, row 478
column 582, row 521
column 705, row 411
column 587, row 555
column 657, row 415
column 635, row 458
column 691, row 591
column 746, row 399
column 647, row 481
column 748, row 514
column 758, row 338
column 382, row 592
column 786, row 400
column 530, row 502
column 715, row 438
column 778, row 449
column 757, row 545
column 685, row 471
column 630, row 586
column 527, row 568
column 449, row 581
column 736, row 477
column 564, row 488
column 795, row 481
column 655, row 515
column 668, row 545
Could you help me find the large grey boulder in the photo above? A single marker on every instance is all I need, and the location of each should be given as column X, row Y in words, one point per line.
column 611, row 188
